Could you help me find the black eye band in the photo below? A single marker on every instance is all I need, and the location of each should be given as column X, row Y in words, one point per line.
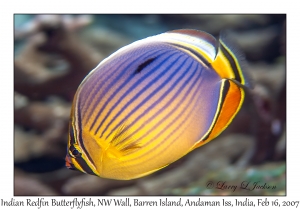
column 74, row 152
column 85, row 166
column 72, row 138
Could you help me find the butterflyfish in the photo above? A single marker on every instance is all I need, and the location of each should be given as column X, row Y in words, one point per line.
column 152, row 102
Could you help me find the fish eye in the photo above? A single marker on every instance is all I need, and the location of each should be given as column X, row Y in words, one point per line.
column 76, row 153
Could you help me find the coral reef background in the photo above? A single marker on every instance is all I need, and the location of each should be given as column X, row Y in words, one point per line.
column 53, row 53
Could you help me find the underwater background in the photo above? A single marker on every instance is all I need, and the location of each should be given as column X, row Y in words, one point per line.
column 53, row 53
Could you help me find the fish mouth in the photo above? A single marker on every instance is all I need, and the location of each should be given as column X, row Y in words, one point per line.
column 69, row 164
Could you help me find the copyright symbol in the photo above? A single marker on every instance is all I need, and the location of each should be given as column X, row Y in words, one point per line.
column 210, row 185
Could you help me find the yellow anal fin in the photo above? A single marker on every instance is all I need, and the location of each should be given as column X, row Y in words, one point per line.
column 231, row 99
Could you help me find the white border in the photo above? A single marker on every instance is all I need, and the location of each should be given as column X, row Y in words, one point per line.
column 8, row 8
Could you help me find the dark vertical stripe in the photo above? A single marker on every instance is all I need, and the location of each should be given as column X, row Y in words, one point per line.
column 192, row 85
column 80, row 162
column 232, row 63
column 130, row 89
column 123, row 71
column 80, row 139
column 183, row 122
column 96, row 82
column 166, row 93
column 142, row 91
column 175, row 129
column 72, row 137
column 84, row 165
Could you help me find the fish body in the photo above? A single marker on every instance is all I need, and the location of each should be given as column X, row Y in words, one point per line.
column 152, row 102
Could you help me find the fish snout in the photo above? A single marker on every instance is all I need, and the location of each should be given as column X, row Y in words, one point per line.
column 69, row 164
